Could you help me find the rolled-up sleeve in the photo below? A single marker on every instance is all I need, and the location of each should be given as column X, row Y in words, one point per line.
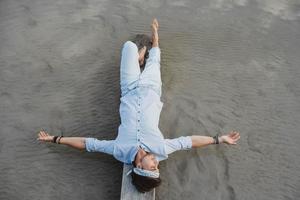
column 95, row 145
column 176, row 144
column 154, row 55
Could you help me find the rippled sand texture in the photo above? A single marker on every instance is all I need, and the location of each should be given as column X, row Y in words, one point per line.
column 225, row 65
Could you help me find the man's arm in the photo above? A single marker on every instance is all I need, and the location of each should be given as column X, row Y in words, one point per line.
column 201, row 141
column 90, row 144
column 195, row 141
column 154, row 27
column 75, row 142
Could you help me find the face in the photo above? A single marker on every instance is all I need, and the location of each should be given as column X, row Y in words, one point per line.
column 149, row 162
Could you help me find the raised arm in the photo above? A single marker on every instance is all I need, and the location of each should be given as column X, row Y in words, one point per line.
column 154, row 28
column 201, row 141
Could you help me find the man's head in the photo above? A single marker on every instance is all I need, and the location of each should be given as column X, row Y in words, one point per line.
column 147, row 162
column 145, row 177
column 144, row 183
column 142, row 40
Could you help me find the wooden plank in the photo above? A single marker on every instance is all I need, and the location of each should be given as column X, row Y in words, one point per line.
column 129, row 192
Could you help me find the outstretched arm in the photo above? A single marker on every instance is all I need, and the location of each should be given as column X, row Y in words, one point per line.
column 201, row 141
column 187, row 142
column 88, row 143
column 75, row 142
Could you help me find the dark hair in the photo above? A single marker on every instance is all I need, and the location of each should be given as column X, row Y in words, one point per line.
column 143, row 183
column 142, row 40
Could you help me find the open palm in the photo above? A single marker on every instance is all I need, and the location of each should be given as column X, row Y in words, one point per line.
column 44, row 136
column 154, row 25
column 231, row 138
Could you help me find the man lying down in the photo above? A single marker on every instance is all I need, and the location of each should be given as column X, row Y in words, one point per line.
column 139, row 141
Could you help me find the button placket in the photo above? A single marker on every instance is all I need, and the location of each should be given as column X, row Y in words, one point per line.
column 138, row 117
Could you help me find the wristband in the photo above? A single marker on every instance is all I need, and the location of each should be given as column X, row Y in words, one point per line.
column 54, row 139
column 59, row 139
column 216, row 139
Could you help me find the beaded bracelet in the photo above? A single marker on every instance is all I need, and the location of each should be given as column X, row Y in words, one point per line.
column 216, row 139
column 59, row 139
column 54, row 139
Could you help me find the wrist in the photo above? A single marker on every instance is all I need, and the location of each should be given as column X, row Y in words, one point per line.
column 216, row 139
column 221, row 139
column 54, row 138
column 155, row 39
column 59, row 139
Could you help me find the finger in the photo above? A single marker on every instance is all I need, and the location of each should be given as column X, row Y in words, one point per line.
column 235, row 132
column 153, row 21
column 231, row 134
column 237, row 136
column 235, row 140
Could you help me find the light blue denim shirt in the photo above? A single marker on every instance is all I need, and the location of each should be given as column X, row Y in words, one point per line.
column 140, row 110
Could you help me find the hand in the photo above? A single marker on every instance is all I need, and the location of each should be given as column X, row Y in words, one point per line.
column 230, row 138
column 43, row 136
column 154, row 25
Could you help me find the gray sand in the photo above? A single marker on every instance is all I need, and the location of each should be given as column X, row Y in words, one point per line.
column 225, row 65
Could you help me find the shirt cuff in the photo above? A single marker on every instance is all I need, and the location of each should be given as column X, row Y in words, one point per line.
column 154, row 50
column 88, row 143
column 187, row 142
column 154, row 54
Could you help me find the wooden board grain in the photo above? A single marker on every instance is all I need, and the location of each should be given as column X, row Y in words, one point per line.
column 129, row 192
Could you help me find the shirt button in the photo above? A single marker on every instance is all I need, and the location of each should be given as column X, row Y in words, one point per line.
column 138, row 129
column 139, row 111
column 138, row 120
column 138, row 139
column 139, row 104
